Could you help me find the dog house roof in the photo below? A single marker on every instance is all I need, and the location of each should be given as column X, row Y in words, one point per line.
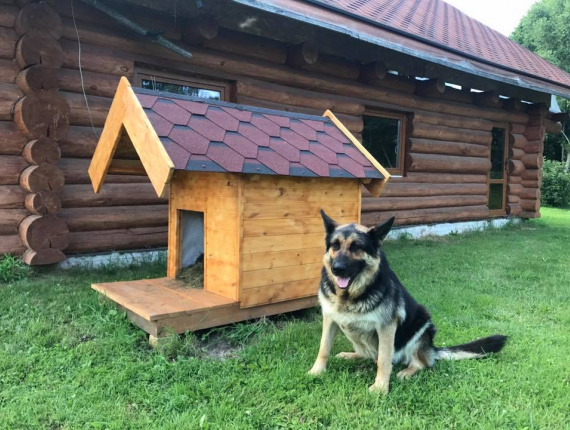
column 177, row 132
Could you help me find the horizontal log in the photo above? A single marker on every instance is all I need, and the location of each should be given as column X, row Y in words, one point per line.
column 428, row 146
column 530, row 193
column 11, row 166
column 531, row 174
column 116, row 240
column 38, row 47
column 42, row 113
column 514, row 104
column 99, row 59
column 514, row 179
column 41, row 17
column 453, row 94
column 393, row 82
column 37, row 78
column 75, row 171
column 440, row 132
column 514, row 189
column 517, row 128
column 527, row 214
column 8, row 41
column 11, row 140
column 334, row 66
column 10, row 219
column 442, row 178
column 81, row 115
column 42, row 150
column 533, row 147
column 8, row 15
column 410, row 189
column 533, row 183
column 512, row 198
column 114, row 217
column 79, row 195
column 46, row 177
column 552, row 127
column 447, row 163
column 530, row 205
column 353, row 123
column 516, row 154
column 284, row 75
column 430, row 88
column 9, row 94
column 405, row 203
column 517, row 141
column 370, row 72
column 42, row 232
column 80, row 141
column 488, row 99
column 536, row 132
column 11, row 245
column 427, row 216
column 12, row 197
column 200, row 28
column 43, row 202
column 295, row 97
column 43, row 257
column 514, row 209
column 127, row 167
column 305, row 53
column 532, row 161
column 455, row 121
column 97, row 84
column 9, row 69
column 516, row 167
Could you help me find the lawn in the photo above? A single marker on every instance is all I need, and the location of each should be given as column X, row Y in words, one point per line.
column 69, row 360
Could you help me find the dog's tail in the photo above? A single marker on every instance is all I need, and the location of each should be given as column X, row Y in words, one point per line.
column 476, row 349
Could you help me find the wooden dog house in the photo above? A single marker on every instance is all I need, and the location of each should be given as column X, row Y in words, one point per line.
column 245, row 186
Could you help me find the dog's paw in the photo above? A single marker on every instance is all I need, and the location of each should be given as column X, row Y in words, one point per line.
column 404, row 374
column 348, row 355
column 317, row 370
column 379, row 387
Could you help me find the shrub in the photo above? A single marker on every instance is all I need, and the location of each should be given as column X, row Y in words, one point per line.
column 12, row 269
column 555, row 184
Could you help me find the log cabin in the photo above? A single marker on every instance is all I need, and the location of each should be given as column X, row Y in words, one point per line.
column 246, row 186
column 455, row 111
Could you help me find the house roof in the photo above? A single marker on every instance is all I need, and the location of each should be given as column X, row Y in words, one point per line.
column 431, row 30
column 212, row 136
column 175, row 132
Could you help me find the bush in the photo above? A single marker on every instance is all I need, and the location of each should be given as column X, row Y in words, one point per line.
column 12, row 269
column 555, row 184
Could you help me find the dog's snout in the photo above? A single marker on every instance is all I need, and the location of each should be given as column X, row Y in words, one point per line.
column 339, row 267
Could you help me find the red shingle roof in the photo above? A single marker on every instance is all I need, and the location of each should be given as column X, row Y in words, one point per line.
column 213, row 136
column 439, row 23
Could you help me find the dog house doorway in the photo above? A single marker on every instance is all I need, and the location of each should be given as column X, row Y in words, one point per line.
column 192, row 258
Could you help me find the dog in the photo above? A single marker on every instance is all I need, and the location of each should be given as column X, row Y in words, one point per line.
column 360, row 295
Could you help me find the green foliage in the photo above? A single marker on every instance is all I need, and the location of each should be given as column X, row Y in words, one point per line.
column 12, row 269
column 70, row 360
column 555, row 184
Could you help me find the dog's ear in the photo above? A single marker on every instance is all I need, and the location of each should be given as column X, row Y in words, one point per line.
column 379, row 232
column 330, row 224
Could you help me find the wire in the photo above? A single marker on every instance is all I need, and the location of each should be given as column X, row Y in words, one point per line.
column 81, row 70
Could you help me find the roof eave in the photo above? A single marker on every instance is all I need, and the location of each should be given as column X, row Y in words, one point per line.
column 296, row 9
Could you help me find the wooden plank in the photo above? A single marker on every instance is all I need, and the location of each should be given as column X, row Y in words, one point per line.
column 253, row 245
column 272, row 181
column 290, row 258
column 299, row 210
column 307, row 194
column 279, row 227
column 280, row 275
column 280, row 292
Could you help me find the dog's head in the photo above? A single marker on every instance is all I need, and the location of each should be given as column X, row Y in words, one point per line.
column 353, row 252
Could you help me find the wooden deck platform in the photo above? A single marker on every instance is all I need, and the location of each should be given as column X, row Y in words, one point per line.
column 160, row 305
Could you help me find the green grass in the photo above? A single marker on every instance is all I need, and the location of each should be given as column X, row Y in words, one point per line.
column 69, row 360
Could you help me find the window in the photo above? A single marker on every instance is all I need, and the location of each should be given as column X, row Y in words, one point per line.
column 498, row 176
column 180, row 84
column 383, row 137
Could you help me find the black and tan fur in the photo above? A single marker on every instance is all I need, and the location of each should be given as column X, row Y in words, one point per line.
column 375, row 311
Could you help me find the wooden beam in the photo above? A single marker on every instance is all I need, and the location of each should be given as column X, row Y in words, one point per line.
column 199, row 29
column 372, row 71
column 430, row 88
column 305, row 53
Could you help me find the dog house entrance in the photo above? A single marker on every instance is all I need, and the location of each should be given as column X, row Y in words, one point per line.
column 192, row 245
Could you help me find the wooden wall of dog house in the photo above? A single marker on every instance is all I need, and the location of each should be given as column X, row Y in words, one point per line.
column 283, row 233
column 441, row 126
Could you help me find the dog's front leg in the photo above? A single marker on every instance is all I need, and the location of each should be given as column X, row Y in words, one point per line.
column 330, row 329
column 385, row 355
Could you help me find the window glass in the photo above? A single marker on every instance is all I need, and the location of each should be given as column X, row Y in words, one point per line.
column 179, row 88
column 498, row 153
column 381, row 137
column 495, row 196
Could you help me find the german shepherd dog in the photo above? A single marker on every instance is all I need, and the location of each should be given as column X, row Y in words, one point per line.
column 360, row 295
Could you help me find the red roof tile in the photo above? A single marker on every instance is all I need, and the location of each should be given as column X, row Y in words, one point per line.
column 223, row 137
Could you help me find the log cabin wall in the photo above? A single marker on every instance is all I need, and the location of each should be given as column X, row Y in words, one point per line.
column 447, row 146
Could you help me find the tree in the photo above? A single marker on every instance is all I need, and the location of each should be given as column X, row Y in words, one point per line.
column 545, row 30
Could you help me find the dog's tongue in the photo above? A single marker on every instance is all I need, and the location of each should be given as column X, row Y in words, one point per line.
column 342, row 282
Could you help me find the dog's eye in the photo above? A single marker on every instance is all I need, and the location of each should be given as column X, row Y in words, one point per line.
column 353, row 247
column 335, row 245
